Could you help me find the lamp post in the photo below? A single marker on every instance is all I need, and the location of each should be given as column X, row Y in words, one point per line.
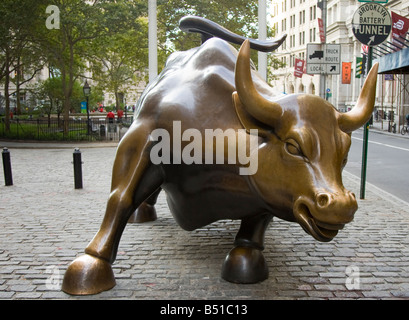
column 87, row 91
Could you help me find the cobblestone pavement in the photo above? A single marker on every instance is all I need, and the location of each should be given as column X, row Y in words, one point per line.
column 45, row 223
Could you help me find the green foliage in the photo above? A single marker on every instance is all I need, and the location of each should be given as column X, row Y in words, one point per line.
column 109, row 38
column 118, row 60
column 238, row 16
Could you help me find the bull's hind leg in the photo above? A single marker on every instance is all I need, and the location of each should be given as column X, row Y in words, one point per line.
column 146, row 211
column 245, row 263
column 133, row 181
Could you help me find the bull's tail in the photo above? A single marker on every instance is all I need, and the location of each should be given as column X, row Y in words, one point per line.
column 209, row 29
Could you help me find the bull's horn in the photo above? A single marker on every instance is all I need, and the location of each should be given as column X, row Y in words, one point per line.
column 256, row 105
column 362, row 111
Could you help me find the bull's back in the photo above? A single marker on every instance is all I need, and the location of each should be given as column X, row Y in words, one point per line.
column 195, row 88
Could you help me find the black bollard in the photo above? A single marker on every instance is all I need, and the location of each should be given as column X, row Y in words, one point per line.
column 77, row 169
column 8, row 177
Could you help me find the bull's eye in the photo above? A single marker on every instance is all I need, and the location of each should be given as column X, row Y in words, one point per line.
column 293, row 148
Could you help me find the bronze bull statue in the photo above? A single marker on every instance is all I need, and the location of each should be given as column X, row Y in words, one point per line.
column 299, row 142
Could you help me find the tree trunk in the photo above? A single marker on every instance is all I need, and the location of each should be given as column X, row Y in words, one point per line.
column 18, row 77
column 117, row 102
column 66, row 102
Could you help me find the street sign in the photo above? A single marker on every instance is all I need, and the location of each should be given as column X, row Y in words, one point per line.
column 323, row 58
column 377, row 1
column 371, row 24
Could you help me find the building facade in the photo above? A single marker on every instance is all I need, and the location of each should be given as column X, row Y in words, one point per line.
column 299, row 19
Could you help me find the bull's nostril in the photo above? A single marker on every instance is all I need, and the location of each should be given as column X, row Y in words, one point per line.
column 323, row 200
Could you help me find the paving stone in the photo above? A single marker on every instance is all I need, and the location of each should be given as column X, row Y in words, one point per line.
column 45, row 223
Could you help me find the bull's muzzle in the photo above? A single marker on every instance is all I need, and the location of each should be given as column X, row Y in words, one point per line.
column 325, row 214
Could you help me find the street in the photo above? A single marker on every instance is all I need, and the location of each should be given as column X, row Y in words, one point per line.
column 387, row 166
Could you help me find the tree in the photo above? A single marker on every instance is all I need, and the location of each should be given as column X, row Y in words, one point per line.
column 121, row 58
column 80, row 22
column 16, row 46
column 238, row 16
column 49, row 91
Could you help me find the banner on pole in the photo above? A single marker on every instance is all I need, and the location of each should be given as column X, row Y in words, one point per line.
column 83, row 107
column 299, row 68
column 346, row 72
column 321, row 28
column 400, row 26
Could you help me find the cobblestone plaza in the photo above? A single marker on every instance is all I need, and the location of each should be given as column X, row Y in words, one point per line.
column 45, row 223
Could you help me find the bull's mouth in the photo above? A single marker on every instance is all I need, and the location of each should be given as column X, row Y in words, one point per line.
column 319, row 230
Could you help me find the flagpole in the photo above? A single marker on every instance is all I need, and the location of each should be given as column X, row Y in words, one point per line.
column 152, row 39
column 262, row 35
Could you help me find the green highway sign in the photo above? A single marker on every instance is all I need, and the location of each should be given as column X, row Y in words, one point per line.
column 379, row 1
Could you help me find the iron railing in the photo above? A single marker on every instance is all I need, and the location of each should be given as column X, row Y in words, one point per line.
column 53, row 129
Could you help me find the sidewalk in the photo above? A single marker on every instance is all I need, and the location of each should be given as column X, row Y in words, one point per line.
column 45, row 223
column 382, row 127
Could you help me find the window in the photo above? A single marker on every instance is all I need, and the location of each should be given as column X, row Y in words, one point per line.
column 284, row 24
column 292, row 41
column 292, row 60
column 313, row 13
column 335, row 13
column 292, row 21
column 302, row 17
column 302, row 38
column 284, row 45
column 312, row 34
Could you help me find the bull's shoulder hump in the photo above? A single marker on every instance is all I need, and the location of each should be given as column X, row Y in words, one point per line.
column 214, row 52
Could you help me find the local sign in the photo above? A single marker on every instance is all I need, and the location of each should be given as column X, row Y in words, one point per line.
column 323, row 58
column 371, row 24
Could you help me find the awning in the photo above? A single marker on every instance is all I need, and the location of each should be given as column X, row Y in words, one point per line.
column 394, row 63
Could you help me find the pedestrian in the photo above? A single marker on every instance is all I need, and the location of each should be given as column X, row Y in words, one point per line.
column 111, row 117
column 120, row 114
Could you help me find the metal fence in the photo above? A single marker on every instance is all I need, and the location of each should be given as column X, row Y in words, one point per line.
column 53, row 129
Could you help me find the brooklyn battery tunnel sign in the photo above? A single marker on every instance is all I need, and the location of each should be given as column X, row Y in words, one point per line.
column 371, row 24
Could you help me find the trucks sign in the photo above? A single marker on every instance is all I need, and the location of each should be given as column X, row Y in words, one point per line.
column 323, row 58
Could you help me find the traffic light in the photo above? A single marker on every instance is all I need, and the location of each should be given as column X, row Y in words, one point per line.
column 358, row 69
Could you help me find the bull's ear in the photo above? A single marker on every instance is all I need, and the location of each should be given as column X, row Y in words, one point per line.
column 247, row 121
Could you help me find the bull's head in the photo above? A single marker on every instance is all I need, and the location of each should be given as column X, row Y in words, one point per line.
column 303, row 149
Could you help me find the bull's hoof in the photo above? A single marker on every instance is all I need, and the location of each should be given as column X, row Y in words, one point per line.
column 144, row 213
column 88, row 275
column 245, row 265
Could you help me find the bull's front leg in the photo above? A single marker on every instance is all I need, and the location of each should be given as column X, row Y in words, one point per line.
column 134, row 180
column 245, row 263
